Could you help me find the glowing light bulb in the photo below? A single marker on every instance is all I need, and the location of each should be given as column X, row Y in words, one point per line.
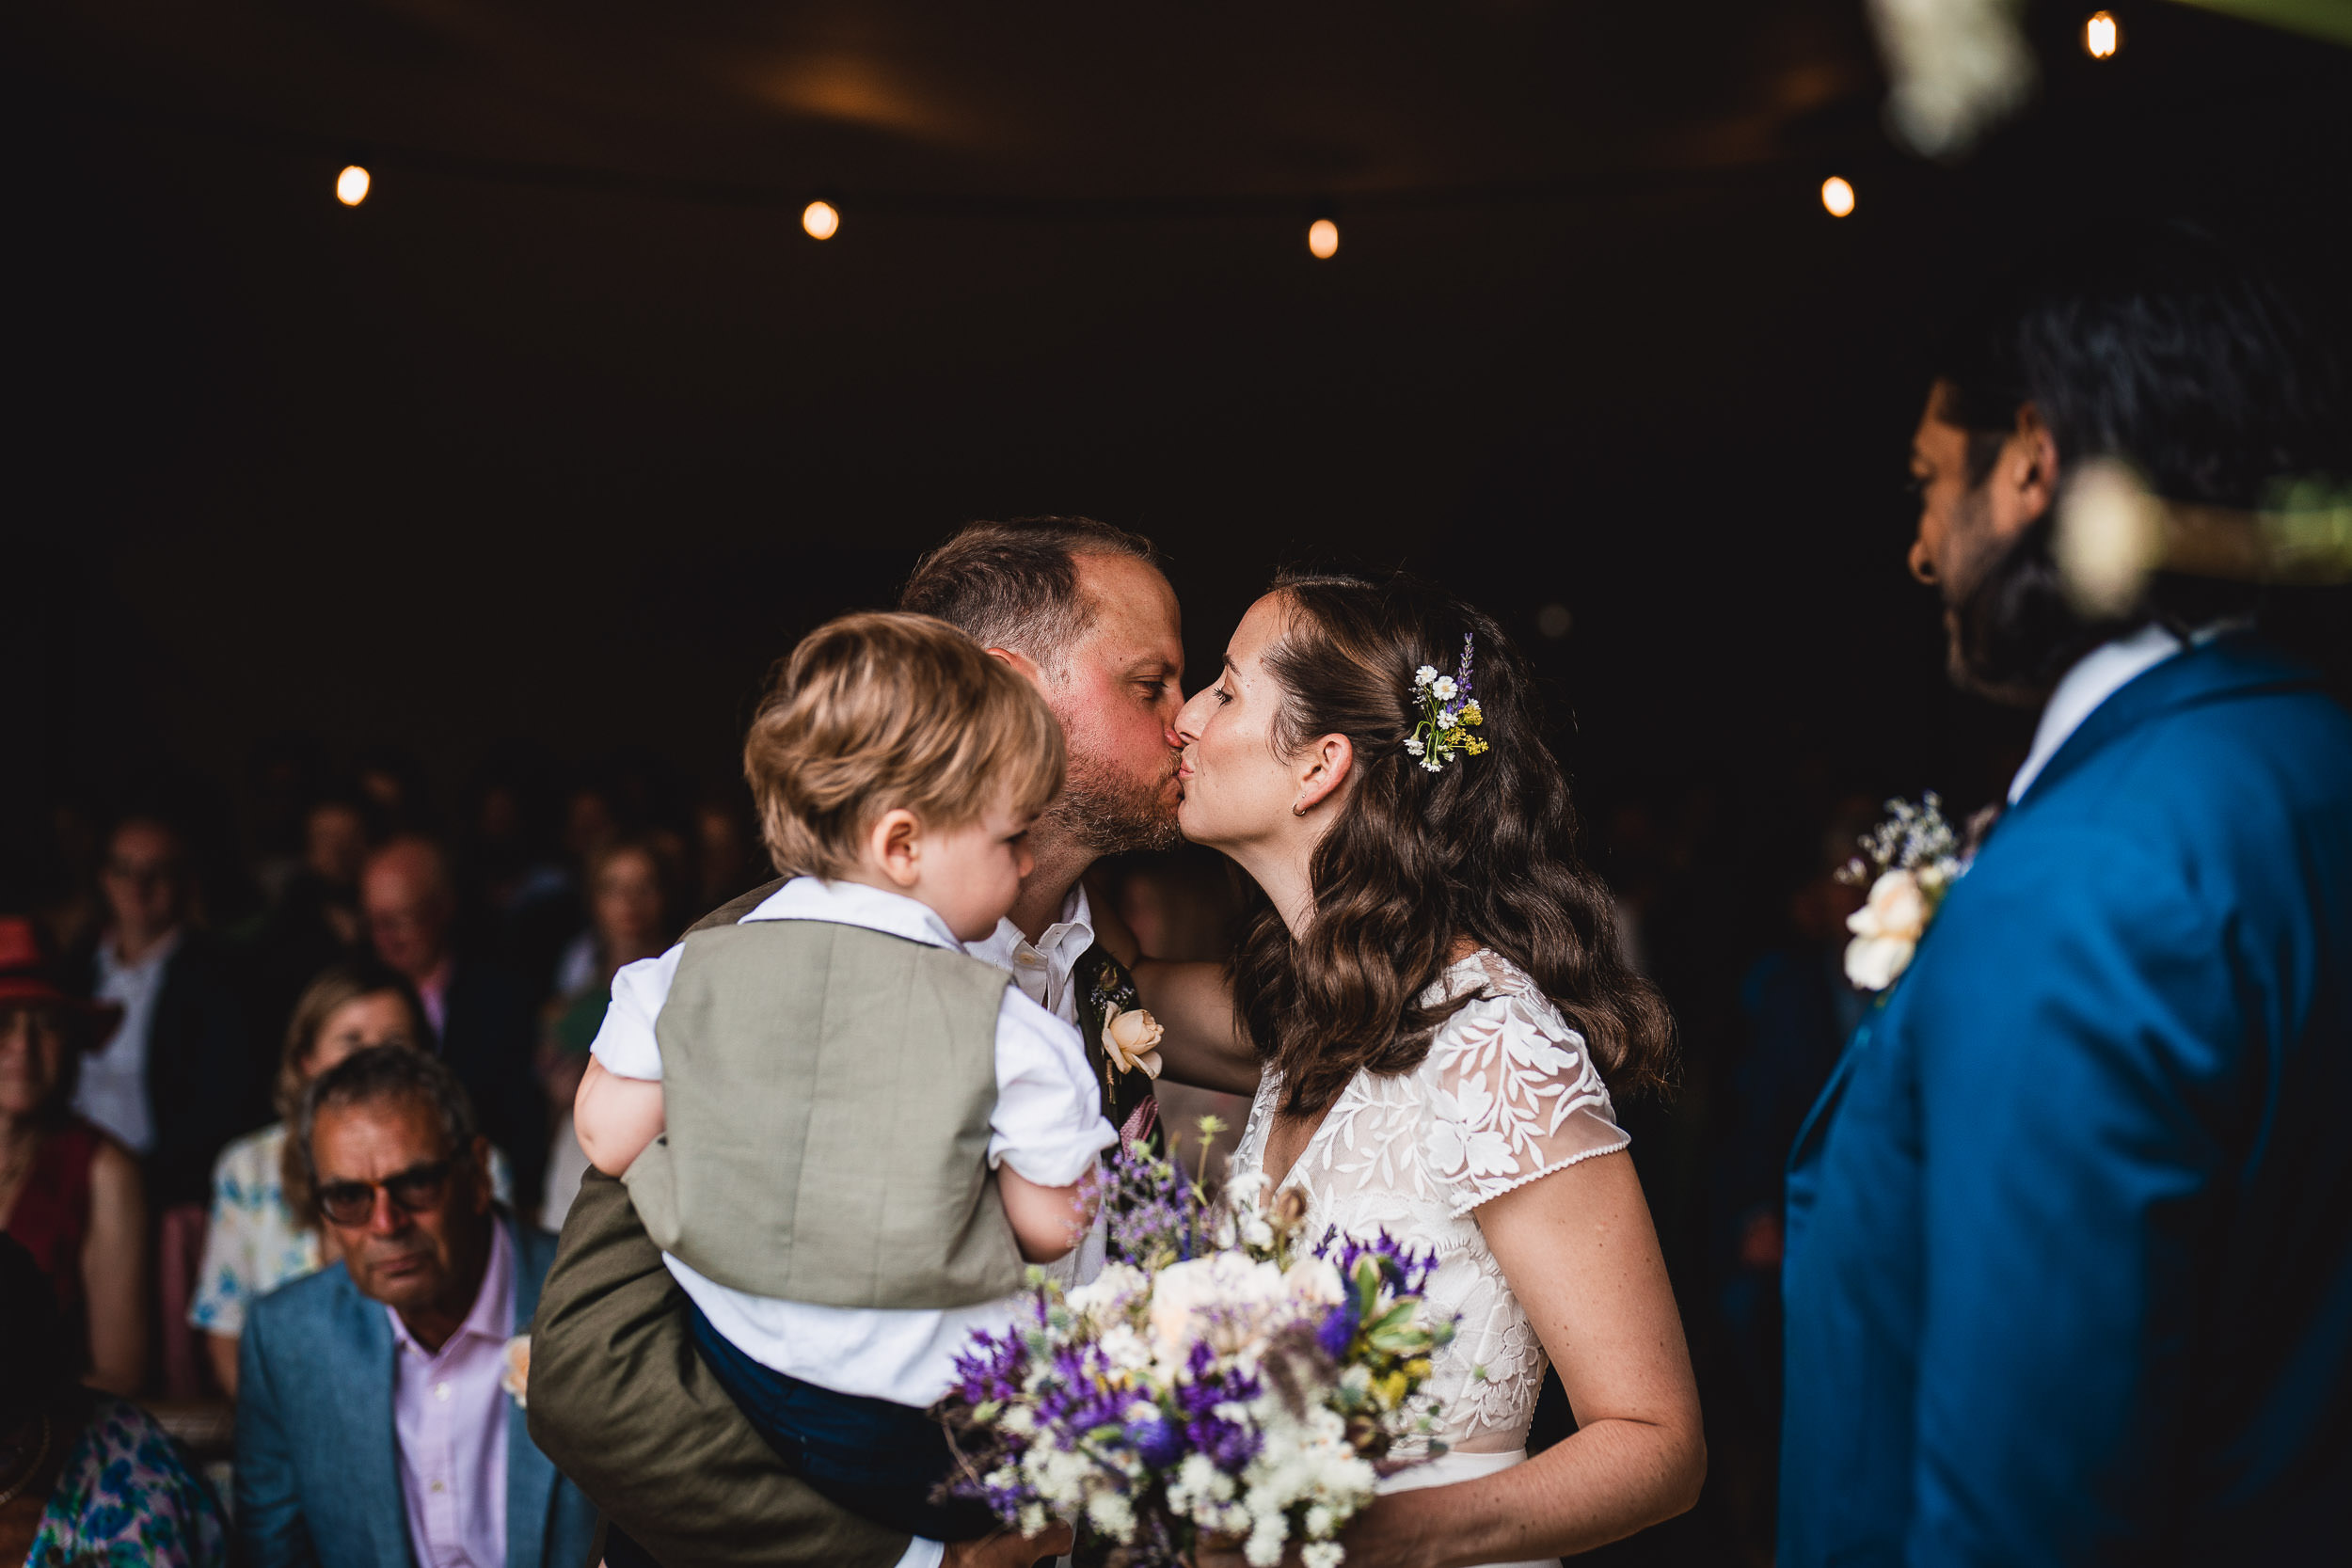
column 1323, row 239
column 351, row 185
column 820, row 219
column 2102, row 37
column 1836, row 195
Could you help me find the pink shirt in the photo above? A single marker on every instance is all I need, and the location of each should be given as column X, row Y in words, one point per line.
column 433, row 991
column 450, row 1417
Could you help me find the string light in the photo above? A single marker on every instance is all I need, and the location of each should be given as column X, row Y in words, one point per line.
column 351, row 185
column 1836, row 195
column 822, row 220
column 1323, row 239
column 2102, row 36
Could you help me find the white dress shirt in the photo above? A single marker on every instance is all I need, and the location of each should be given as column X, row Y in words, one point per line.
column 112, row 1087
column 1047, row 1123
column 2096, row 676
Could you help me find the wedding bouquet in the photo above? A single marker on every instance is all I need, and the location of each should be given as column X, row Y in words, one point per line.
column 1220, row 1383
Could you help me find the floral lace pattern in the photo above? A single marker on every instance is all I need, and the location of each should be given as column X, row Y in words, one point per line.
column 1507, row 1094
column 126, row 1500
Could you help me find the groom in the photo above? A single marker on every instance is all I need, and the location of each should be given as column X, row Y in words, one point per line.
column 618, row 1399
column 2068, row 1266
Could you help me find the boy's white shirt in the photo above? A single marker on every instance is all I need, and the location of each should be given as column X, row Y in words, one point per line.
column 1048, row 1124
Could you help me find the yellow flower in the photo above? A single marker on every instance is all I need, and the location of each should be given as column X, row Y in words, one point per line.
column 1471, row 714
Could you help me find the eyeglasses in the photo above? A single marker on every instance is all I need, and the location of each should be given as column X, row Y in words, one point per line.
column 412, row 1190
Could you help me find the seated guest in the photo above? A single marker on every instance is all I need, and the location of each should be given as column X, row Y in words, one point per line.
column 628, row 908
column 176, row 1080
column 69, row 1196
column 84, row 1478
column 482, row 1018
column 265, row 1225
column 374, row 1423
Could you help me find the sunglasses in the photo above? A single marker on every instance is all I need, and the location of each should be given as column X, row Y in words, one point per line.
column 412, row 1190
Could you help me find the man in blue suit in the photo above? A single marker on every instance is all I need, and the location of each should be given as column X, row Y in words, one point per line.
column 377, row 1424
column 2069, row 1259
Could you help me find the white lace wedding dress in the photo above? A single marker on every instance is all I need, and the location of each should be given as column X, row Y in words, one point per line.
column 1507, row 1093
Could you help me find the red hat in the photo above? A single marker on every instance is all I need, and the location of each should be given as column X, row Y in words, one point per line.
column 27, row 979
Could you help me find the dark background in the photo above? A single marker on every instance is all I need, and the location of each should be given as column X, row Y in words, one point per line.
column 568, row 430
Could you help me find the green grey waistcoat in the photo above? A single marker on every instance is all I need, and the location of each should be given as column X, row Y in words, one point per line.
column 828, row 1091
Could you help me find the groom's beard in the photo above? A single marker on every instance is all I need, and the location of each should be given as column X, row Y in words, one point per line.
column 2011, row 632
column 1111, row 815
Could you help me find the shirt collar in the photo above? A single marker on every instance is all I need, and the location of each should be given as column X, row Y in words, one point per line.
column 856, row 904
column 2096, row 676
column 493, row 1313
column 1064, row 941
column 157, row 955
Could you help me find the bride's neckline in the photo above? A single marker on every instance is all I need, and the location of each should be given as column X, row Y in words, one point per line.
column 1466, row 952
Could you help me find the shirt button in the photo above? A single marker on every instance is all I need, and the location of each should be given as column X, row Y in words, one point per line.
column 441, row 1390
column 1031, row 959
column 437, row 1487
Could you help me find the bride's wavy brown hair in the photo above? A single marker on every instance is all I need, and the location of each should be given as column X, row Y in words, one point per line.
column 1420, row 861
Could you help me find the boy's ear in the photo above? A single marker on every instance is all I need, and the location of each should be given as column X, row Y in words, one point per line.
column 894, row 843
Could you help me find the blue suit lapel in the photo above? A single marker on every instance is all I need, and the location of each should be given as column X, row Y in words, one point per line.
column 367, row 1435
column 530, row 1478
column 2232, row 666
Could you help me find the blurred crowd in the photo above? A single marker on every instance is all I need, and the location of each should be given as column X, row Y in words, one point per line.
column 178, row 964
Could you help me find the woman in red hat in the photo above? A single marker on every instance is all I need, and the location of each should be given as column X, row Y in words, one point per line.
column 71, row 1194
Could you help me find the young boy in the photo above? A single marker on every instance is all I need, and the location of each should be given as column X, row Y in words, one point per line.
column 846, row 1133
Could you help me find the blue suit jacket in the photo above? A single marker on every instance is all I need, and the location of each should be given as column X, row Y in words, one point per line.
column 2069, row 1270
column 318, row 1467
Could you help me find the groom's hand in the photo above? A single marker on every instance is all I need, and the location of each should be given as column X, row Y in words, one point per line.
column 1007, row 1550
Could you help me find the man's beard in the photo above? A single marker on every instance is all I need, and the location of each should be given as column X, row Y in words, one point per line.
column 1110, row 815
column 2010, row 633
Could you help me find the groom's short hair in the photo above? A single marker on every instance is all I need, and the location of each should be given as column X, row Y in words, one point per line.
column 1014, row 585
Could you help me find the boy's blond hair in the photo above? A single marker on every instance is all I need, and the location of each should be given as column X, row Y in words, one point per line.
column 874, row 712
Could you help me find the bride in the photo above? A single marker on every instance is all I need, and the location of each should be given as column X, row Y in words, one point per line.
column 1436, row 994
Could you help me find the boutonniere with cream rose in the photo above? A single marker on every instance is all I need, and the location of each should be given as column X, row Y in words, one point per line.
column 1909, row 862
column 515, row 1376
column 1131, row 1038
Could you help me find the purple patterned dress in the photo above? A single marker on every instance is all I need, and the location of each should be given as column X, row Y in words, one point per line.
column 126, row 1499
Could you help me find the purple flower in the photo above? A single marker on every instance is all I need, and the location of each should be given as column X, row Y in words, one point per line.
column 1339, row 1329
column 1157, row 1442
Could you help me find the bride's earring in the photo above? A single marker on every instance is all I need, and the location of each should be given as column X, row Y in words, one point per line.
column 1300, row 809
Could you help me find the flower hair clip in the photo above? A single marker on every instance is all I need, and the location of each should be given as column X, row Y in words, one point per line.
column 1448, row 714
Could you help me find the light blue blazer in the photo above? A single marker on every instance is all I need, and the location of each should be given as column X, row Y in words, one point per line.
column 2069, row 1267
column 318, row 1464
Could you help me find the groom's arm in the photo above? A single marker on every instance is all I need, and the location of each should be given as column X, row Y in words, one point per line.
column 2076, row 1034
column 1202, row 1043
column 624, row 1405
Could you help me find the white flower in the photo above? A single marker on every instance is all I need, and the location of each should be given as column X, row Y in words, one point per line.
column 1112, row 1513
column 1413, row 747
column 1316, row 1282
column 514, row 1375
column 1323, row 1554
column 1445, row 688
column 1105, row 1298
column 1319, row 1521
column 1886, row 930
column 1425, row 674
column 1431, row 766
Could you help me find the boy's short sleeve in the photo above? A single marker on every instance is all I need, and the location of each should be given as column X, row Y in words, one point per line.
column 625, row 1044
column 1048, row 1122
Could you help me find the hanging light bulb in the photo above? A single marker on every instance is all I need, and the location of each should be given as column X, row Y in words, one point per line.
column 822, row 220
column 351, row 185
column 1323, row 239
column 1836, row 195
column 2102, row 36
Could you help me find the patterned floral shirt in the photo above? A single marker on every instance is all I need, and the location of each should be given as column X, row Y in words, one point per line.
column 253, row 1245
column 126, row 1499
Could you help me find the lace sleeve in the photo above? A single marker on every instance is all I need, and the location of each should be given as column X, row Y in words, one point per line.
column 1512, row 1095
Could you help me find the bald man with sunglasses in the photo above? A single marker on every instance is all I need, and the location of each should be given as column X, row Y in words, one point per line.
column 376, row 1426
